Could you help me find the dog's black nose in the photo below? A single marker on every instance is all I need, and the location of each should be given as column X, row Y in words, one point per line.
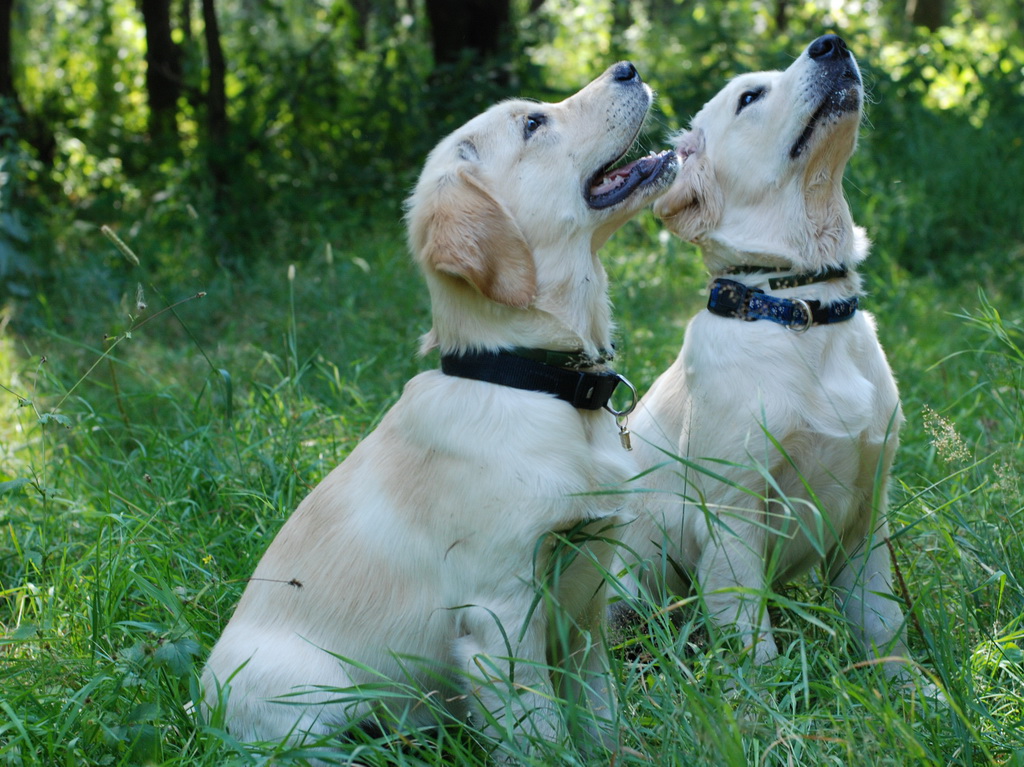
column 624, row 71
column 827, row 47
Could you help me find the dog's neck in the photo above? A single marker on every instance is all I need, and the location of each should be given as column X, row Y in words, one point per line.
column 805, row 225
column 814, row 248
column 570, row 312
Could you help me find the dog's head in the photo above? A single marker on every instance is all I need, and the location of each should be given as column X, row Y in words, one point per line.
column 762, row 164
column 510, row 208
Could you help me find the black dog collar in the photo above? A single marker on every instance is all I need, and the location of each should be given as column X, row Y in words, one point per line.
column 576, row 360
column 586, row 391
column 729, row 298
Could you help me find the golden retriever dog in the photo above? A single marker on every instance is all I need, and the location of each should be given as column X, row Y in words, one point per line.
column 456, row 553
column 774, row 430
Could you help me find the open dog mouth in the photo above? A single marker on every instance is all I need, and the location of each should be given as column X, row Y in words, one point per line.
column 608, row 186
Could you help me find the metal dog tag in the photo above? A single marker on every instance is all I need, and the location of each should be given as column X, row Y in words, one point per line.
column 624, row 439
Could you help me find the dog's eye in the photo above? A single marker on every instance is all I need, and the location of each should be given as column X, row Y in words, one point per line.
column 533, row 122
column 748, row 98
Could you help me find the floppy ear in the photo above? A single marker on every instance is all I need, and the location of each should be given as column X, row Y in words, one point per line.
column 466, row 233
column 692, row 206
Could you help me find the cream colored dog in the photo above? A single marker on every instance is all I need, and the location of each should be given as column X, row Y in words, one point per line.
column 781, row 403
column 428, row 563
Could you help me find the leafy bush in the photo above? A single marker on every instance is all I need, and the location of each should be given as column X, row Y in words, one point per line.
column 329, row 119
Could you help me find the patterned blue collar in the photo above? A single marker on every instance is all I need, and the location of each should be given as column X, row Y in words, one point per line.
column 729, row 298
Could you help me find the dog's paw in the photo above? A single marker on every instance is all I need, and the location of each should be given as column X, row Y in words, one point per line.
column 920, row 685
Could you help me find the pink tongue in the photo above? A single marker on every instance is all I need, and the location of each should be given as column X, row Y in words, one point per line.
column 612, row 181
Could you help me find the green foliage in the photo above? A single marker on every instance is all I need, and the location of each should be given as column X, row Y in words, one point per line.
column 332, row 109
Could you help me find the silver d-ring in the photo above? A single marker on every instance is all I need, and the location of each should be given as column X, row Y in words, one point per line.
column 632, row 404
column 807, row 311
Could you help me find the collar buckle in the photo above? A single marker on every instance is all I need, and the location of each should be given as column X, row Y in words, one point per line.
column 730, row 298
column 794, row 325
column 634, row 398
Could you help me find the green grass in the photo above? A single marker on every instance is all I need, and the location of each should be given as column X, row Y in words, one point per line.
column 142, row 475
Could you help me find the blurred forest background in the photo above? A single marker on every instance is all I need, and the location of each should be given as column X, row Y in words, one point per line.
column 216, row 133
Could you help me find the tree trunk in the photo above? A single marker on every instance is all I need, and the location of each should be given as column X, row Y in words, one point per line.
column 6, row 59
column 927, row 13
column 221, row 162
column 12, row 114
column 185, row 19
column 163, row 72
column 191, row 57
column 622, row 19
column 781, row 15
column 216, row 95
column 14, row 120
column 478, row 27
column 362, row 10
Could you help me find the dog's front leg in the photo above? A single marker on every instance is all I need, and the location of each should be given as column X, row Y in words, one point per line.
column 733, row 586
column 507, row 672
column 586, row 680
column 864, row 590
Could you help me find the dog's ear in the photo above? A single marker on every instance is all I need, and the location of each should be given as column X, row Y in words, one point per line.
column 466, row 233
column 692, row 206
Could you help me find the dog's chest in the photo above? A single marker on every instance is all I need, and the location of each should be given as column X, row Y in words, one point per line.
column 504, row 457
column 831, row 381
